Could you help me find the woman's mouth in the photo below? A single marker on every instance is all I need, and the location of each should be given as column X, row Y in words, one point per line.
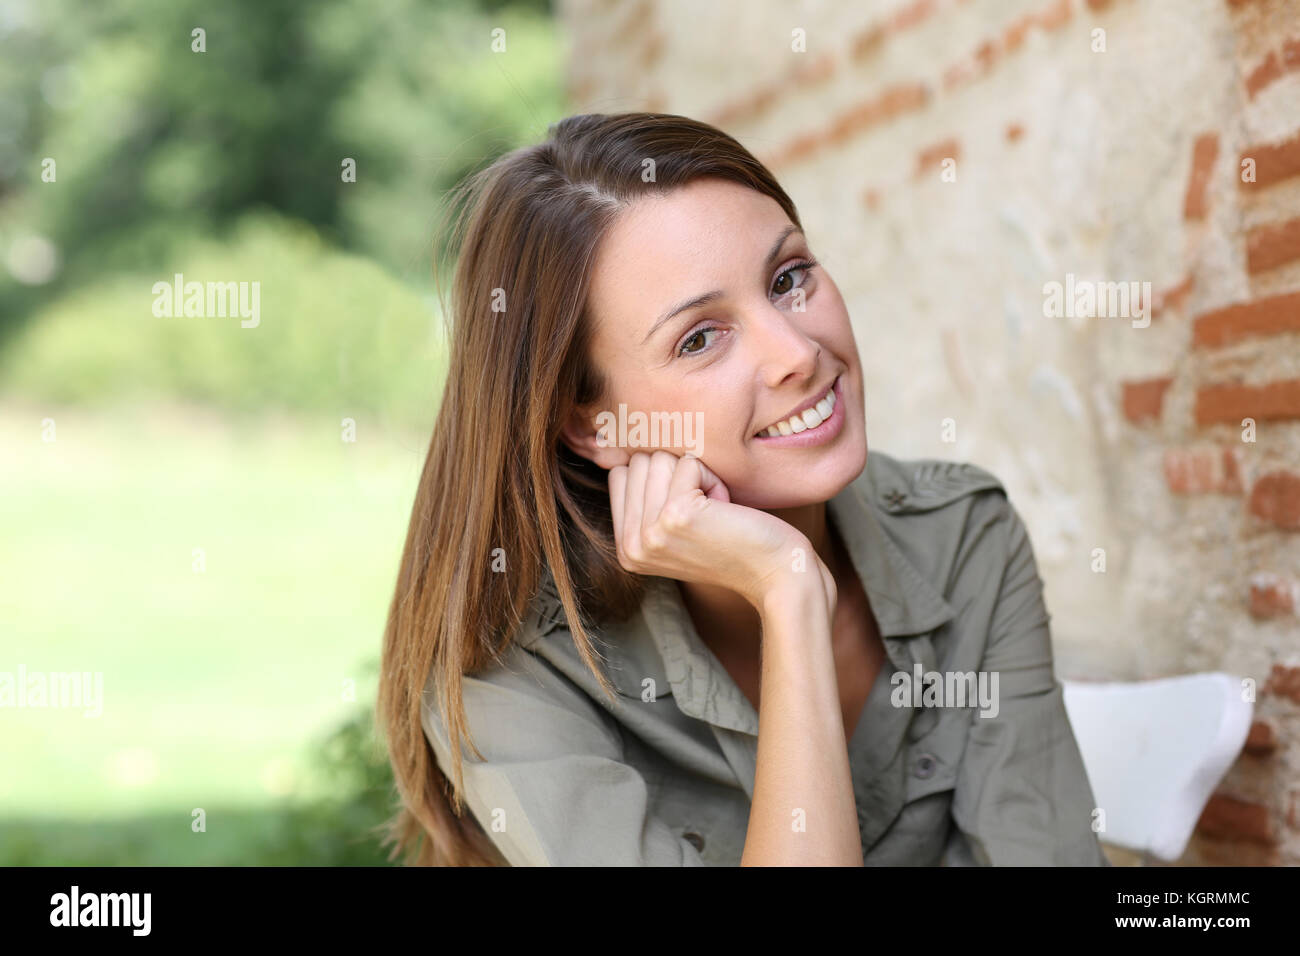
column 814, row 425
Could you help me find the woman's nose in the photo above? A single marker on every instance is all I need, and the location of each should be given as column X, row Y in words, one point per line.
column 783, row 346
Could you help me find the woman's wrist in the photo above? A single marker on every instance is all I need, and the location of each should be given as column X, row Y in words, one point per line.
column 799, row 592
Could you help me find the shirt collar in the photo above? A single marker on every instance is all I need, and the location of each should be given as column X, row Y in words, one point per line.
column 904, row 603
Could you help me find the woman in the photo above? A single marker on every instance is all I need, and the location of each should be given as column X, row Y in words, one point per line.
column 785, row 622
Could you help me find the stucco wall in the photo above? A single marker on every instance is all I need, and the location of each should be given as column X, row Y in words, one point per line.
column 1113, row 156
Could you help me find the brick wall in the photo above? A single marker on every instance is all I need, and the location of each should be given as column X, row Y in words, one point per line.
column 950, row 158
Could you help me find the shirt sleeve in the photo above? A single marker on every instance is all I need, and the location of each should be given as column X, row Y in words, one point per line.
column 1022, row 795
column 554, row 789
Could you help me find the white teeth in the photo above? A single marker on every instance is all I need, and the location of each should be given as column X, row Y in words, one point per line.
column 808, row 418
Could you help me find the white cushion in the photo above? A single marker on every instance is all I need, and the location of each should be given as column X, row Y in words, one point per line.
column 1155, row 750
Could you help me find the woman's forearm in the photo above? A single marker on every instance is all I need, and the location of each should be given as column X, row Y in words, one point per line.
column 803, row 811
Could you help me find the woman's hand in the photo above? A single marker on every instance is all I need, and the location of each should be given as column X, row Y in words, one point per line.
column 673, row 518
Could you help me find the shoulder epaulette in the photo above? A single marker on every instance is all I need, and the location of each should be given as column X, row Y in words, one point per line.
column 923, row 484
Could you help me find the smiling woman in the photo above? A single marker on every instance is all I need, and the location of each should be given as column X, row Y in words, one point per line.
column 752, row 600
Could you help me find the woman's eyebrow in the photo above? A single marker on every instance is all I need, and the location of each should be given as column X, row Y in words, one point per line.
column 708, row 297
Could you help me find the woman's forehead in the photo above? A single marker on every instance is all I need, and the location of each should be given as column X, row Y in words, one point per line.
column 670, row 247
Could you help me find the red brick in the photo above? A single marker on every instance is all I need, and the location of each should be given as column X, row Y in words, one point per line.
column 812, row 72
column 1284, row 681
column 1276, row 401
column 1274, row 162
column 957, row 74
column 745, row 107
column 1189, row 472
column 1054, row 15
column 1204, row 151
column 1220, row 853
column 1230, row 818
column 1261, row 741
column 912, row 14
column 867, row 42
column 1276, row 499
column 932, row 156
column 1272, row 67
column 1268, row 247
column 764, row 98
column 1204, row 469
column 978, row 64
column 884, row 106
column 1274, row 315
column 1014, row 35
column 901, row 98
column 1171, row 298
column 1232, row 482
column 1142, row 401
column 871, row 39
column 1291, row 54
column 1271, row 596
column 1264, row 74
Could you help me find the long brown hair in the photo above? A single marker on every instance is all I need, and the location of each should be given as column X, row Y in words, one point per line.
column 497, row 475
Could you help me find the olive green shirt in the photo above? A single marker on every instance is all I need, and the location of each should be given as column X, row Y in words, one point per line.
column 664, row 775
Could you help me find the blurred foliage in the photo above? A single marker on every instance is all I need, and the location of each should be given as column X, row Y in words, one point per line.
column 335, row 332
column 345, row 831
column 155, row 142
column 225, row 166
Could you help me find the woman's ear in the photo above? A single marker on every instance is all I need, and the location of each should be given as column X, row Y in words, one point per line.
column 593, row 435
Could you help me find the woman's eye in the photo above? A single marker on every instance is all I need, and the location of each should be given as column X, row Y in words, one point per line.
column 691, row 338
column 797, row 267
column 700, row 335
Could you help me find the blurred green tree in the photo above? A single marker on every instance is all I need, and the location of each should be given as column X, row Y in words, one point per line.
column 153, row 139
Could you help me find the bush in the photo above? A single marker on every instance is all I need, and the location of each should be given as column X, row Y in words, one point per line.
column 336, row 332
column 340, row 831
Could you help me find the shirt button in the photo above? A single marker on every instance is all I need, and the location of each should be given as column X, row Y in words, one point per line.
column 894, row 498
column 695, row 840
column 925, row 766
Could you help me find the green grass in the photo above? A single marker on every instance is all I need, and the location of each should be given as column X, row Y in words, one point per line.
column 334, row 831
column 217, row 684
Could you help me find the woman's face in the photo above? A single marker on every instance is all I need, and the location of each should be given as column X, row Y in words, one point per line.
column 761, row 337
